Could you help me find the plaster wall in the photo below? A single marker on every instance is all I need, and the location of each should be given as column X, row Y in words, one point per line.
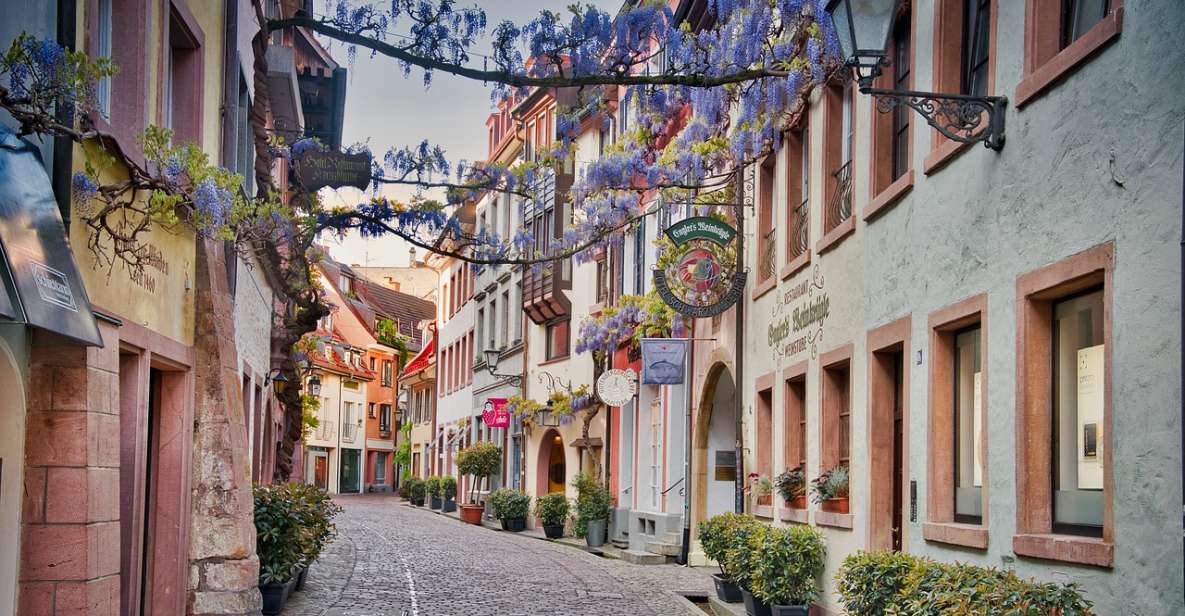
column 1096, row 158
column 253, row 323
column 458, row 404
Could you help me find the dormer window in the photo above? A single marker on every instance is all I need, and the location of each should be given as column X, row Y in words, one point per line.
column 347, row 286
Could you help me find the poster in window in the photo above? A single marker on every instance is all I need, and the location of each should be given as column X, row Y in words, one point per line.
column 1090, row 418
column 977, row 426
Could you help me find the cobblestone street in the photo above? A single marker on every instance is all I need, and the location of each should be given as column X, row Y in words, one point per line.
column 392, row 559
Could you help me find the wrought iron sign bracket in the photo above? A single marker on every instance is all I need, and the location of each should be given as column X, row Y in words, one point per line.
column 513, row 380
column 960, row 117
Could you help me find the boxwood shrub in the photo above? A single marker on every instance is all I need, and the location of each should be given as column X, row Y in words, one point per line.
column 872, row 584
column 509, row 504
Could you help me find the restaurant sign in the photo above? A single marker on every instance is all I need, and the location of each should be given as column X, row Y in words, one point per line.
column 702, row 280
column 798, row 317
column 316, row 169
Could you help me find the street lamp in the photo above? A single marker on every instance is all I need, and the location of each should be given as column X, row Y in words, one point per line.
column 279, row 381
column 492, row 356
column 863, row 27
column 315, row 385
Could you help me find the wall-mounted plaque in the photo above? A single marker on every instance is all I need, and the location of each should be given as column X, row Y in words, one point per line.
column 726, row 465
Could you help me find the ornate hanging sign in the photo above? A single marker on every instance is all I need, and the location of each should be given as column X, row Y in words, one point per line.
column 701, row 278
column 316, row 169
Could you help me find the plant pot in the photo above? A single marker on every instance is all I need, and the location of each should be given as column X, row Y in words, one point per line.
column 766, row 500
column 274, row 597
column 553, row 532
column 300, row 577
column 471, row 514
column 514, row 525
column 836, row 505
column 449, row 506
column 798, row 502
column 595, row 535
column 435, row 503
column 755, row 606
column 790, row 610
column 726, row 590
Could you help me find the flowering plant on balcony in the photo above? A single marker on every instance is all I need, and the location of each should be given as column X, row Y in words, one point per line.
column 633, row 318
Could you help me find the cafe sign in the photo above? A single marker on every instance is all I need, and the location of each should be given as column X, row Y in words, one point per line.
column 316, row 169
column 701, row 281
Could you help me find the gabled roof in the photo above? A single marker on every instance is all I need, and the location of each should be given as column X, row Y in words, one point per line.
column 408, row 310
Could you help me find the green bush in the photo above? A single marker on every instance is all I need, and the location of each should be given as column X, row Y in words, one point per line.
column 786, row 565
column 717, row 533
column 448, row 487
column 432, row 486
column 552, row 509
column 293, row 523
column 889, row 583
column 742, row 556
column 509, row 504
column 593, row 502
column 416, row 491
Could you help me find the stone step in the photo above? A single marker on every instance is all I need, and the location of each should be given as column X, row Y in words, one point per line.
column 638, row 557
column 623, row 544
column 664, row 548
column 675, row 538
column 720, row 608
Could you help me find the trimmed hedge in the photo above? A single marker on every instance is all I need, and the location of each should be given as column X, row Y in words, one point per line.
column 888, row 583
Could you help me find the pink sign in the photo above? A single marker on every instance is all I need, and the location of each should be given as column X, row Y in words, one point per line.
column 494, row 413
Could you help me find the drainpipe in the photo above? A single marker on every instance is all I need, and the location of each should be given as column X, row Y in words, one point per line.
column 738, row 384
column 688, row 392
column 63, row 149
column 1181, row 399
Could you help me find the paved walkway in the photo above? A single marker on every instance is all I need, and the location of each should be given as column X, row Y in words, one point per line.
column 394, row 559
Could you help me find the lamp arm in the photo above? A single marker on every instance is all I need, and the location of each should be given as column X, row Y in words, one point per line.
column 959, row 117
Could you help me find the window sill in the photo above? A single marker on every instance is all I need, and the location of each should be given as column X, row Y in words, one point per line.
column 797, row 516
column 595, row 309
column 796, row 264
column 1057, row 67
column 763, row 511
column 966, row 535
column 834, row 520
column 1066, row 548
column 834, row 236
column 941, row 155
column 889, row 196
column 764, row 286
column 554, row 360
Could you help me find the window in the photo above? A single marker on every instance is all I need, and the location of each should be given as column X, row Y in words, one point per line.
column 976, row 18
column 370, row 412
column 837, row 157
column 640, row 258
column 764, row 409
column 557, row 339
column 968, row 458
column 901, row 81
column 385, row 418
column 767, row 243
column 492, row 337
column 1060, row 35
column 957, row 438
column 836, row 408
column 602, row 274
column 797, row 146
column 372, row 364
column 469, row 358
column 347, row 284
column 504, row 330
column 1064, row 436
column 1076, row 447
column 794, row 428
column 387, row 373
column 481, row 323
column 103, row 50
column 891, row 169
column 183, row 80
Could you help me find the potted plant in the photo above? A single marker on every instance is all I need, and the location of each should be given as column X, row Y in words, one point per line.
column 278, row 542
column 433, row 488
column 791, row 485
column 448, row 492
column 552, row 510
column 511, row 508
column 716, row 535
column 743, row 558
column 593, row 503
column 789, row 561
column 762, row 488
column 830, row 489
column 315, row 511
column 478, row 462
column 416, row 491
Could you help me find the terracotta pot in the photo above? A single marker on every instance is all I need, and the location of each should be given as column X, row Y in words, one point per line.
column 798, row 502
column 765, row 501
column 471, row 514
column 836, row 505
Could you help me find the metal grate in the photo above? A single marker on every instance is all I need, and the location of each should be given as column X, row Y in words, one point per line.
column 839, row 209
column 799, row 230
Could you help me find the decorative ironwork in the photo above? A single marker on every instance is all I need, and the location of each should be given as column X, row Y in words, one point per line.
column 839, row 208
column 959, row 117
column 553, row 382
column 800, row 230
column 769, row 254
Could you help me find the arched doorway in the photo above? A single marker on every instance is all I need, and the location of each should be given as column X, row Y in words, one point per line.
column 714, row 446
column 12, row 449
column 552, row 469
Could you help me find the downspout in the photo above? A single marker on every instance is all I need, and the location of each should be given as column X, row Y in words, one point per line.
column 689, row 391
column 1181, row 309
column 738, row 384
column 63, row 149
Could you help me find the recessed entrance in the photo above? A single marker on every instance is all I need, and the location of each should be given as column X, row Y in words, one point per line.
column 888, row 399
column 556, row 468
column 714, row 462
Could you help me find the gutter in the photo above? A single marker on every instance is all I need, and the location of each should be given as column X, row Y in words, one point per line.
column 63, row 149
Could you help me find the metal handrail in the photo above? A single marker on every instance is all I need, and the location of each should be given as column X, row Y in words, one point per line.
column 800, row 231
column 839, row 209
column 769, row 254
column 672, row 486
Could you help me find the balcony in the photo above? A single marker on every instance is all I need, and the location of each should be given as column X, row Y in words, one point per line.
column 839, row 209
column 800, row 230
column 769, row 255
column 349, row 432
column 543, row 285
column 325, row 431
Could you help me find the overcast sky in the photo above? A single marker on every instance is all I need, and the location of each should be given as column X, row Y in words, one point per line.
column 384, row 109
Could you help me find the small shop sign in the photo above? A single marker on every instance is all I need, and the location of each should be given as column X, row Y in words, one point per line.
column 617, row 387
column 316, row 169
column 494, row 413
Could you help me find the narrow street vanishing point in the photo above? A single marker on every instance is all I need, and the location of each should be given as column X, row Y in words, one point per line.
column 390, row 558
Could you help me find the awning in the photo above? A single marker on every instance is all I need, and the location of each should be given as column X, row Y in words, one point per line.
column 421, row 360
column 41, row 281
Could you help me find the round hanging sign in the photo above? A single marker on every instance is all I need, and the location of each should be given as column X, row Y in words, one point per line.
column 617, row 387
column 702, row 280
